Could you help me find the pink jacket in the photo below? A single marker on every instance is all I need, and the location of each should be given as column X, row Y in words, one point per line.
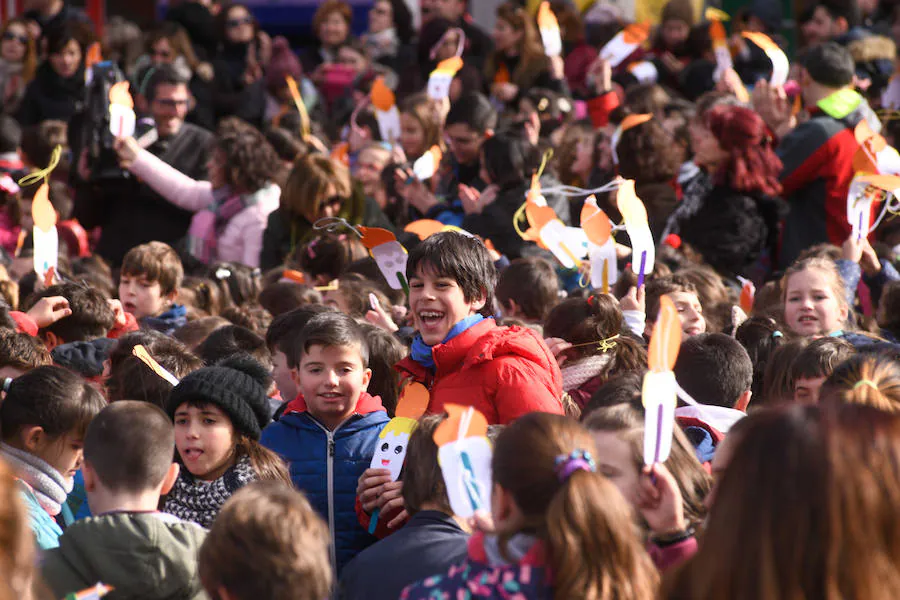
column 241, row 240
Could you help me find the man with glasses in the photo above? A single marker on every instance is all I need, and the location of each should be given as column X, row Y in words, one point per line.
column 129, row 212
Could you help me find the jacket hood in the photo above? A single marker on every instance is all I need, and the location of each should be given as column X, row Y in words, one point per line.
column 142, row 555
column 85, row 358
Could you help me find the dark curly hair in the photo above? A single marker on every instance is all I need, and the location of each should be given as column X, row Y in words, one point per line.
column 251, row 161
column 648, row 153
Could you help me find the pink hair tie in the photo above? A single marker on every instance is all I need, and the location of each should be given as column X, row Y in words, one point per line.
column 578, row 460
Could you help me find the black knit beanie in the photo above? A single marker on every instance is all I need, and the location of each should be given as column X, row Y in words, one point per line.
column 236, row 385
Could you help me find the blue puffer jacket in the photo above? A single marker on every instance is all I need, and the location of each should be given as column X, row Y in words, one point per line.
column 326, row 466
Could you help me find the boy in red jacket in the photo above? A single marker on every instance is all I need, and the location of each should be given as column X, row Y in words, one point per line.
column 460, row 355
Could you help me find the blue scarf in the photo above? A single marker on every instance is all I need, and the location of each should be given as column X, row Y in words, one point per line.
column 421, row 352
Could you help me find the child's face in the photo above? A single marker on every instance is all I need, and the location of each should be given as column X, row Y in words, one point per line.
column 412, row 136
column 64, row 454
column 464, row 142
column 204, row 437
column 437, row 304
column 281, row 373
column 614, row 460
column 811, row 307
column 690, row 312
column 806, row 391
column 675, row 32
column 140, row 297
column 331, row 379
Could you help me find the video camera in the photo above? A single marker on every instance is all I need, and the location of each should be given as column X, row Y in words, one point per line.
column 93, row 123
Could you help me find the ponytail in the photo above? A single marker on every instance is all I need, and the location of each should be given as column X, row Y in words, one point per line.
column 267, row 465
column 588, row 517
column 544, row 462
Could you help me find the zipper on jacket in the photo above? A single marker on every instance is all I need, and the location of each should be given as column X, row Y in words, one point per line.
column 329, row 461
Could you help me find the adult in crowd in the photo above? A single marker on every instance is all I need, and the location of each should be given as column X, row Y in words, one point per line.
column 128, row 210
column 238, row 86
column 18, row 63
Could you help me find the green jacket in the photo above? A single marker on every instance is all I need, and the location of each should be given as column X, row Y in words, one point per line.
column 151, row 556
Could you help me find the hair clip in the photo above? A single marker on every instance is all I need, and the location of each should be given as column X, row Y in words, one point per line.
column 256, row 272
column 777, row 334
column 867, row 382
column 578, row 460
column 604, row 345
column 7, row 382
column 222, row 273
column 331, row 287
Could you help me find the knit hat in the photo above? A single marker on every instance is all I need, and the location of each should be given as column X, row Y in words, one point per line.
column 237, row 385
column 283, row 63
column 678, row 10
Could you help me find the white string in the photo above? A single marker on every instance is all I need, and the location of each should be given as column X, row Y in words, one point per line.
column 885, row 209
column 572, row 191
column 334, row 225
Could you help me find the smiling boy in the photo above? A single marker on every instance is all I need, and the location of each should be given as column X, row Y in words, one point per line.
column 328, row 433
column 148, row 286
column 459, row 354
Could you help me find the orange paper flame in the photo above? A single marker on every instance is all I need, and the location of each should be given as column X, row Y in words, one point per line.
column 42, row 212
column 666, row 338
column 413, row 401
column 448, row 431
column 118, row 94
column 381, row 95
column 375, row 236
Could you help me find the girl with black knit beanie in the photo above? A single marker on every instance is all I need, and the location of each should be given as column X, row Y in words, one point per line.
column 219, row 413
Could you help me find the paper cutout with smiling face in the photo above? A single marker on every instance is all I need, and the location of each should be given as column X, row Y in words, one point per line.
column 389, row 254
column 393, row 440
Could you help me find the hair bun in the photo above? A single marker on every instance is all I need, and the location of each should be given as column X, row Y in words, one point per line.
column 246, row 364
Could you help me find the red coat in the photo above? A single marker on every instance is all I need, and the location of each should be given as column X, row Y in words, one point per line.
column 504, row 372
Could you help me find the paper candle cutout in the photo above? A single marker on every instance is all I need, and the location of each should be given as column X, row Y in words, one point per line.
column 626, row 124
column 385, row 110
column 388, row 253
column 549, row 27
column 601, row 246
column 394, row 438
column 424, row 228
column 874, row 155
column 464, row 454
column 45, row 236
column 624, row 44
column 567, row 244
column 92, row 593
column 141, row 354
column 341, row 153
column 644, row 71
column 748, row 293
column 293, row 276
column 427, row 165
column 660, row 388
column 440, row 79
column 635, row 215
column 301, row 106
column 780, row 64
column 720, row 44
column 93, row 55
column 121, row 110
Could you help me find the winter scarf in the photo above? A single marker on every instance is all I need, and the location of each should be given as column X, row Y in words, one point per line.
column 584, row 370
column 695, row 190
column 421, row 352
column 199, row 501
column 50, row 487
column 208, row 225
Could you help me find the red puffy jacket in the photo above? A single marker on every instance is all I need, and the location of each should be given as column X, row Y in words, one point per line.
column 504, row 372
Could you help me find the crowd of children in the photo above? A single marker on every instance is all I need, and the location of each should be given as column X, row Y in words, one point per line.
column 272, row 302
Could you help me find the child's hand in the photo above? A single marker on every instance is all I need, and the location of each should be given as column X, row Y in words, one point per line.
column 378, row 317
column 558, row 347
column 852, row 249
column 127, row 149
column 118, row 312
column 391, row 499
column 635, row 299
column 369, row 487
column 869, row 261
column 482, row 521
column 413, row 191
column 49, row 310
column 660, row 502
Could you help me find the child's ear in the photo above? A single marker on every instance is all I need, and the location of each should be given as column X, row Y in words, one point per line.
column 367, row 377
column 511, row 309
column 743, row 401
column 295, row 376
column 51, row 340
column 32, row 438
column 169, row 480
column 171, row 296
column 90, row 477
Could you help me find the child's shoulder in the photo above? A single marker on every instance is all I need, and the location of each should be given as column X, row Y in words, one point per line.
column 511, row 342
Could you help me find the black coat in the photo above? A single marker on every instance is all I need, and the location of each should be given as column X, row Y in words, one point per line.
column 49, row 96
column 129, row 212
column 231, row 95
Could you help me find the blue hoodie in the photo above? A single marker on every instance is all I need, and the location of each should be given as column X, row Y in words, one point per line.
column 167, row 322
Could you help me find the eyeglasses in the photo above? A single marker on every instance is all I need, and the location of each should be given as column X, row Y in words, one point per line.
column 10, row 36
column 173, row 103
column 234, row 23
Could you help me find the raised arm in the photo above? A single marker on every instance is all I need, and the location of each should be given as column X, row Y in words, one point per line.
column 165, row 180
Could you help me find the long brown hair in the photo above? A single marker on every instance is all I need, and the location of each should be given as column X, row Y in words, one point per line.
column 267, row 465
column 421, row 108
column 870, row 379
column 582, row 516
column 532, row 59
column 30, row 60
column 805, row 509
column 308, row 182
column 627, row 421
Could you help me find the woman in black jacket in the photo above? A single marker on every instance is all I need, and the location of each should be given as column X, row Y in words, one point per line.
column 58, row 86
column 732, row 221
column 238, row 85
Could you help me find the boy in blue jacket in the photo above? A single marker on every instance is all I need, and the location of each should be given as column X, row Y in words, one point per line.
column 328, row 433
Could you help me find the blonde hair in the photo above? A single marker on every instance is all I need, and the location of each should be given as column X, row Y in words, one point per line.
column 307, row 185
column 267, row 542
column 868, row 379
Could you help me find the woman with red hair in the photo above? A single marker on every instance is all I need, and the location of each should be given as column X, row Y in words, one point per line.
column 733, row 223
